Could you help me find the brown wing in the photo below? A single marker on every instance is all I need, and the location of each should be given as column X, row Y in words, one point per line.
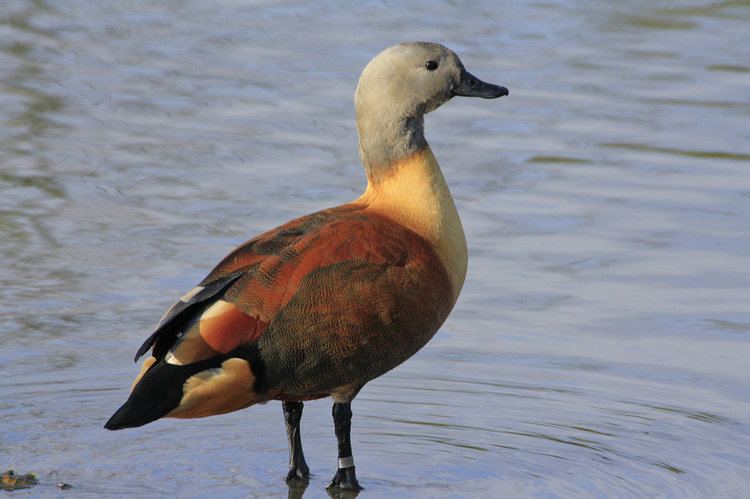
column 272, row 269
column 239, row 298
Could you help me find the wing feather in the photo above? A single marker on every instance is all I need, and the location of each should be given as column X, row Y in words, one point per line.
column 245, row 292
column 182, row 311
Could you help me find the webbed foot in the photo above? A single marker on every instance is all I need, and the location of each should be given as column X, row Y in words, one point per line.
column 345, row 479
column 299, row 473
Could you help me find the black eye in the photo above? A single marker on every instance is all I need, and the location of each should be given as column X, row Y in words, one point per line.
column 431, row 65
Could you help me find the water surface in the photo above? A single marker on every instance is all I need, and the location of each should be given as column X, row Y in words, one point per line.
column 600, row 344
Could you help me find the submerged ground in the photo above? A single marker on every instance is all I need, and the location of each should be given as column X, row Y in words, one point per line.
column 600, row 345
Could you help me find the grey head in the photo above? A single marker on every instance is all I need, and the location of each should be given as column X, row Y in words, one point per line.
column 397, row 88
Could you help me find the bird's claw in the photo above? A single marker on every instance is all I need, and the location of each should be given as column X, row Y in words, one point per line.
column 345, row 479
column 298, row 473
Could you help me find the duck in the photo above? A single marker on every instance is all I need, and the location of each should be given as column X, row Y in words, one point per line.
column 325, row 303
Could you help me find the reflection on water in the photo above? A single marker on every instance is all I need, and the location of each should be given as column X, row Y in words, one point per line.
column 679, row 152
column 600, row 345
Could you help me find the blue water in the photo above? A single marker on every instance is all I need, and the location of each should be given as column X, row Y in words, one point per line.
column 599, row 347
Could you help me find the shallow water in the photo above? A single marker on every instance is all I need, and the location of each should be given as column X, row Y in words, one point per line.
column 600, row 344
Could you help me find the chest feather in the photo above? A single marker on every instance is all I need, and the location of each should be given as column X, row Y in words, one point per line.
column 413, row 192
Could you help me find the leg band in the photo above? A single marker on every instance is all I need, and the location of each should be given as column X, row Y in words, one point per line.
column 346, row 462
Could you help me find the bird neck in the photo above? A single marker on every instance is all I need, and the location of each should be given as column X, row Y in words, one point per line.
column 386, row 135
column 412, row 191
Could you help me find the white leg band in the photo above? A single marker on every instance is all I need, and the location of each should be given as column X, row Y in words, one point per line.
column 346, row 462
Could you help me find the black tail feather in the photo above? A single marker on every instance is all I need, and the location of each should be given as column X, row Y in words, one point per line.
column 157, row 393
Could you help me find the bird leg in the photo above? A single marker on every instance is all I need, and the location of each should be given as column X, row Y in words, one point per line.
column 298, row 469
column 345, row 477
